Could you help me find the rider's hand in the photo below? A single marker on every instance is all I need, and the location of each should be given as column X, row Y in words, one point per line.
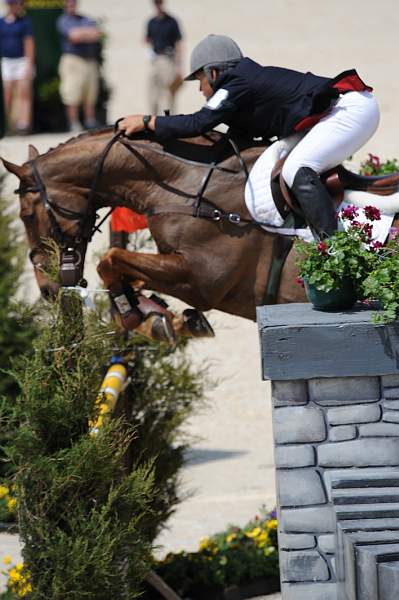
column 134, row 124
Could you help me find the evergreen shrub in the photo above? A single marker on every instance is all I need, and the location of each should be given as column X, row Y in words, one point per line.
column 89, row 506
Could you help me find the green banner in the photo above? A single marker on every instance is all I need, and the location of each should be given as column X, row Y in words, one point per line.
column 48, row 4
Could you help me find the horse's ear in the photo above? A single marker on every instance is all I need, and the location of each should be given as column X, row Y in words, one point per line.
column 12, row 168
column 33, row 152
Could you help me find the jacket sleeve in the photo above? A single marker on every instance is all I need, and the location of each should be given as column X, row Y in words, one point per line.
column 220, row 108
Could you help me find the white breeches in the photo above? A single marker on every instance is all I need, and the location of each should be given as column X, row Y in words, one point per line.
column 352, row 121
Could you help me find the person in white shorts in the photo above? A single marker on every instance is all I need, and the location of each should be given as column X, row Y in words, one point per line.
column 17, row 67
column 78, row 68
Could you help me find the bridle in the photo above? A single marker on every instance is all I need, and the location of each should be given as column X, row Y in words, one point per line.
column 71, row 256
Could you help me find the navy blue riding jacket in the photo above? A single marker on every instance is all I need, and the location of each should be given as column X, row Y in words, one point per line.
column 263, row 102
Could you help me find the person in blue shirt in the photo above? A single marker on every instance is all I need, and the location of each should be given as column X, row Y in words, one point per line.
column 164, row 37
column 17, row 66
column 78, row 68
column 334, row 115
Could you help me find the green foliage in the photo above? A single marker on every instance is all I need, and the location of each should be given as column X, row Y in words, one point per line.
column 382, row 283
column 237, row 556
column 374, row 166
column 346, row 254
column 16, row 323
column 79, row 511
column 89, row 506
column 17, row 328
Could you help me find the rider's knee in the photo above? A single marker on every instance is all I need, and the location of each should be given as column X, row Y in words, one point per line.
column 291, row 168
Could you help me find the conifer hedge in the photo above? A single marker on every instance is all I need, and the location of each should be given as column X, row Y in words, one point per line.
column 90, row 506
column 17, row 328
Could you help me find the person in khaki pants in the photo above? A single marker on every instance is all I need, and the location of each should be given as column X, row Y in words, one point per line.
column 164, row 38
column 78, row 68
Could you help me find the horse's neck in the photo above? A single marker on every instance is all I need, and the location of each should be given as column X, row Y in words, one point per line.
column 126, row 180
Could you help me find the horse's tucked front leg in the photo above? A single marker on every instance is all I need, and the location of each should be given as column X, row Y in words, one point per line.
column 124, row 273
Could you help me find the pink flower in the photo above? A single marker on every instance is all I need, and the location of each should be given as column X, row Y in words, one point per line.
column 349, row 213
column 372, row 213
column 356, row 225
column 368, row 230
column 374, row 161
column 394, row 233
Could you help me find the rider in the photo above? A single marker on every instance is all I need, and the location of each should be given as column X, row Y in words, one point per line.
column 338, row 115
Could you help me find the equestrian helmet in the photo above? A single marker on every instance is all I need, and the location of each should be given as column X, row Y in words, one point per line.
column 214, row 51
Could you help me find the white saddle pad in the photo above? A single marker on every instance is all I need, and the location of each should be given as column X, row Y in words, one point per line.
column 261, row 206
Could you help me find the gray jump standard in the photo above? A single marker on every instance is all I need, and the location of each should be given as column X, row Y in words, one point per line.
column 335, row 393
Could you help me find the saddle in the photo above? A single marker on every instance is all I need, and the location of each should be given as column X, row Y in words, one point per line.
column 336, row 180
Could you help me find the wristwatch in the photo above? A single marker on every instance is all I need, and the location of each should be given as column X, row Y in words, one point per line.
column 146, row 120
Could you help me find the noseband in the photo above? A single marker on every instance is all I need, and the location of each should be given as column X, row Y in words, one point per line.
column 71, row 257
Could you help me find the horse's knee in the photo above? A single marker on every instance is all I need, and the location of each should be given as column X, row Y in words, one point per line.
column 105, row 266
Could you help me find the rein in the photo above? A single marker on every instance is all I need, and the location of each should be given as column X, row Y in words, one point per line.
column 199, row 207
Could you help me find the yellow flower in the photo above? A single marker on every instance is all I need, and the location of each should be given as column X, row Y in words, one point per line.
column 11, row 504
column 7, row 559
column 231, row 537
column 269, row 550
column 272, row 524
column 254, row 533
column 15, row 575
column 4, row 491
column 262, row 539
column 19, row 566
column 204, row 544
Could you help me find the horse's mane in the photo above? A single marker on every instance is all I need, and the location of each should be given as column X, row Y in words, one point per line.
column 207, row 148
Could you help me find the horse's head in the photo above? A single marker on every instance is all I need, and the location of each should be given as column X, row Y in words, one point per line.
column 44, row 212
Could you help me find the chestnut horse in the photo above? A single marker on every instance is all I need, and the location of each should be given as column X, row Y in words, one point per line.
column 211, row 253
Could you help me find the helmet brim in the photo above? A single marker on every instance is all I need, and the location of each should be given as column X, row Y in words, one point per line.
column 192, row 76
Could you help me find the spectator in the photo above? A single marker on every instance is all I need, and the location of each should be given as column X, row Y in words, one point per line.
column 164, row 37
column 78, row 68
column 17, row 66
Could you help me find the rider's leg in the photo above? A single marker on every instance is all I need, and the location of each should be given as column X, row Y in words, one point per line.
column 348, row 126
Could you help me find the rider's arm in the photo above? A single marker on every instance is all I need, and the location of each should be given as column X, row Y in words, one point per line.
column 220, row 108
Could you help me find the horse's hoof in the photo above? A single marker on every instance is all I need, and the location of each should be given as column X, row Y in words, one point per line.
column 162, row 329
column 197, row 323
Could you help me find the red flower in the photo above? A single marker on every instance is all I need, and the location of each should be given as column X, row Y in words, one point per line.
column 372, row 213
column 376, row 245
column 299, row 281
column 367, row 229
column 322, row 247
column 349, row 213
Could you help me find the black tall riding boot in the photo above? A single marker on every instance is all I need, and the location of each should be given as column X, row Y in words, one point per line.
column 315, row 202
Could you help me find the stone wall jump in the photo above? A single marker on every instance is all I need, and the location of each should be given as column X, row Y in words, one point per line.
column 335, row 390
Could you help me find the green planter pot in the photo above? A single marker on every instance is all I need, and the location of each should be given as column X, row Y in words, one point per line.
column 340, row 298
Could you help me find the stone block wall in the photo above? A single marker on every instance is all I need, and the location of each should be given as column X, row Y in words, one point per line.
column 337, row 463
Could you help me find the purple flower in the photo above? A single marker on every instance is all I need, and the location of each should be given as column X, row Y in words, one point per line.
column 349, row 213
column 372, row 213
